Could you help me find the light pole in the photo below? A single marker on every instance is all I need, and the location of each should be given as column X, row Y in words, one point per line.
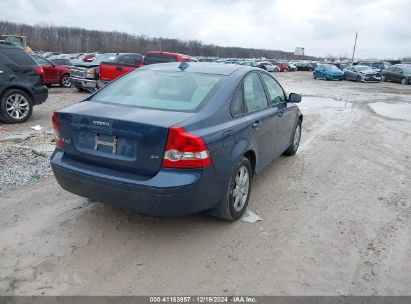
column 353, row 51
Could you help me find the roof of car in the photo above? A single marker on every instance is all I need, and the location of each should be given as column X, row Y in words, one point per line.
column 198, row 67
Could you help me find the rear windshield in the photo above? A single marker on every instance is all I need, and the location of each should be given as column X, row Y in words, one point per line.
column 158, row 58
column 104, row 57
column 162, row 90
column 19, row 57
column 129, row 59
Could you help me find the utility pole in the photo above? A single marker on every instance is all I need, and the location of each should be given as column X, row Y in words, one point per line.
column 353, row 51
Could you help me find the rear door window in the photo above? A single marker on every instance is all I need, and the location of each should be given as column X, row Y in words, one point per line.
column 254, row 95
column 19, row 57
column 237, row 105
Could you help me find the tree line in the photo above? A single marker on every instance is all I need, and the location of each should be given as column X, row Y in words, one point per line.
column 43, row 37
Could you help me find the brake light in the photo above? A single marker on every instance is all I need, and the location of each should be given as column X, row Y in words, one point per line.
column 39, row 70
column 54, row 120
column 184, row 150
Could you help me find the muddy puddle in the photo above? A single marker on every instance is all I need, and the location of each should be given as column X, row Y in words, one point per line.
column 309, row 102
column 396, row 111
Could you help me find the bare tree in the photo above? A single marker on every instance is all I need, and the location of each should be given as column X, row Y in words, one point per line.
column 44, row 37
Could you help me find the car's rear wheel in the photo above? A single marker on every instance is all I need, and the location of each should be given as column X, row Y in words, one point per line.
column 358, row 79
column 404, row 81
column 65, row 81
column 237, row 195
column 15, row 106
column 292, row 149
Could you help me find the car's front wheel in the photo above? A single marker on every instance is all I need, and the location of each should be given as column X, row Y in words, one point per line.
column 358, row 79
column 65, row 81
column 15, row 106
column 292, row 149
column 238, row 191
column 404, row 81
column 314, row 76
column 384, row 78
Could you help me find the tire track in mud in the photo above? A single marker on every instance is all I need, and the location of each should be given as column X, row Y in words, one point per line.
column 375, row 251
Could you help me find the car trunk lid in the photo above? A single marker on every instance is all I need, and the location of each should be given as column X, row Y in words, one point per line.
column 116, row 137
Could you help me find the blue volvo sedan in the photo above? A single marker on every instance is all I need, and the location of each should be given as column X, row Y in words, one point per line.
column 175, row 139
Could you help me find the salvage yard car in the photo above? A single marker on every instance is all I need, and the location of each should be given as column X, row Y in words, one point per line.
column 362, row 73
column 153, row 57
column 174, row 139
column 84, row 76
column 398, row 73
column 328, row 72
column 54, row 73
column 21, row 84
column 120, row 65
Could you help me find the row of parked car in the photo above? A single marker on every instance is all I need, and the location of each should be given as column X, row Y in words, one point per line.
column 400, row 73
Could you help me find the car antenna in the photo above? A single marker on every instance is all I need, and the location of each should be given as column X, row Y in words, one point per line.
column 183, row 65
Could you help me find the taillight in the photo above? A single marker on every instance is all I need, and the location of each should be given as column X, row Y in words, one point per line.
column 184, row 150
column 59, row 142
column 39, row 70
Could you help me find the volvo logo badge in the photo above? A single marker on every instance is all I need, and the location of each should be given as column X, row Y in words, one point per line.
column 101, row 123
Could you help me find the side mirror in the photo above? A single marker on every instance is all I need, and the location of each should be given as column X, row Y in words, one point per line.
column 294, row 98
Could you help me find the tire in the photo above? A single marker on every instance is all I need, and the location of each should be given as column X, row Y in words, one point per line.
column 325, row 77
column 295, row 143
column 65, row 81
column 233, row 206
column 80, row 89
column 10, row 100
column 404, row 81
column 384, row 79
column 314, row 76
column 358, row 79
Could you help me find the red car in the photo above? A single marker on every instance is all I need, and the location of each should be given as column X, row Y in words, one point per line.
column 163, row 57
column 54, row 73
column 123, row 63
column 282, row 67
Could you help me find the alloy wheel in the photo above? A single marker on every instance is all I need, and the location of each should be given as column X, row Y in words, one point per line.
column 17, row 106
column 241, row 188
column 297, row 137
column 66, row 82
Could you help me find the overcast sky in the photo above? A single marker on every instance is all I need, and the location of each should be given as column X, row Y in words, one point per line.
column 320, row 26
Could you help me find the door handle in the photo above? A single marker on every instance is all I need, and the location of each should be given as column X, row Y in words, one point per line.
column 256, row 124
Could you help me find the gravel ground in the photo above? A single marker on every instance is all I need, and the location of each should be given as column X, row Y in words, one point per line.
column 23, row 162
column 336, row 216
column 20, row 166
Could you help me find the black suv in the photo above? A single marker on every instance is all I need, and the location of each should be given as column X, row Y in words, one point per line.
column 21, row 84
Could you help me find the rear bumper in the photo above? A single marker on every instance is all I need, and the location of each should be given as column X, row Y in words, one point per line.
column 83, row 83
column 170, row 192
column 40, row 94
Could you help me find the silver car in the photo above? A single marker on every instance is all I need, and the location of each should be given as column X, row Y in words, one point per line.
column 362, row 73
